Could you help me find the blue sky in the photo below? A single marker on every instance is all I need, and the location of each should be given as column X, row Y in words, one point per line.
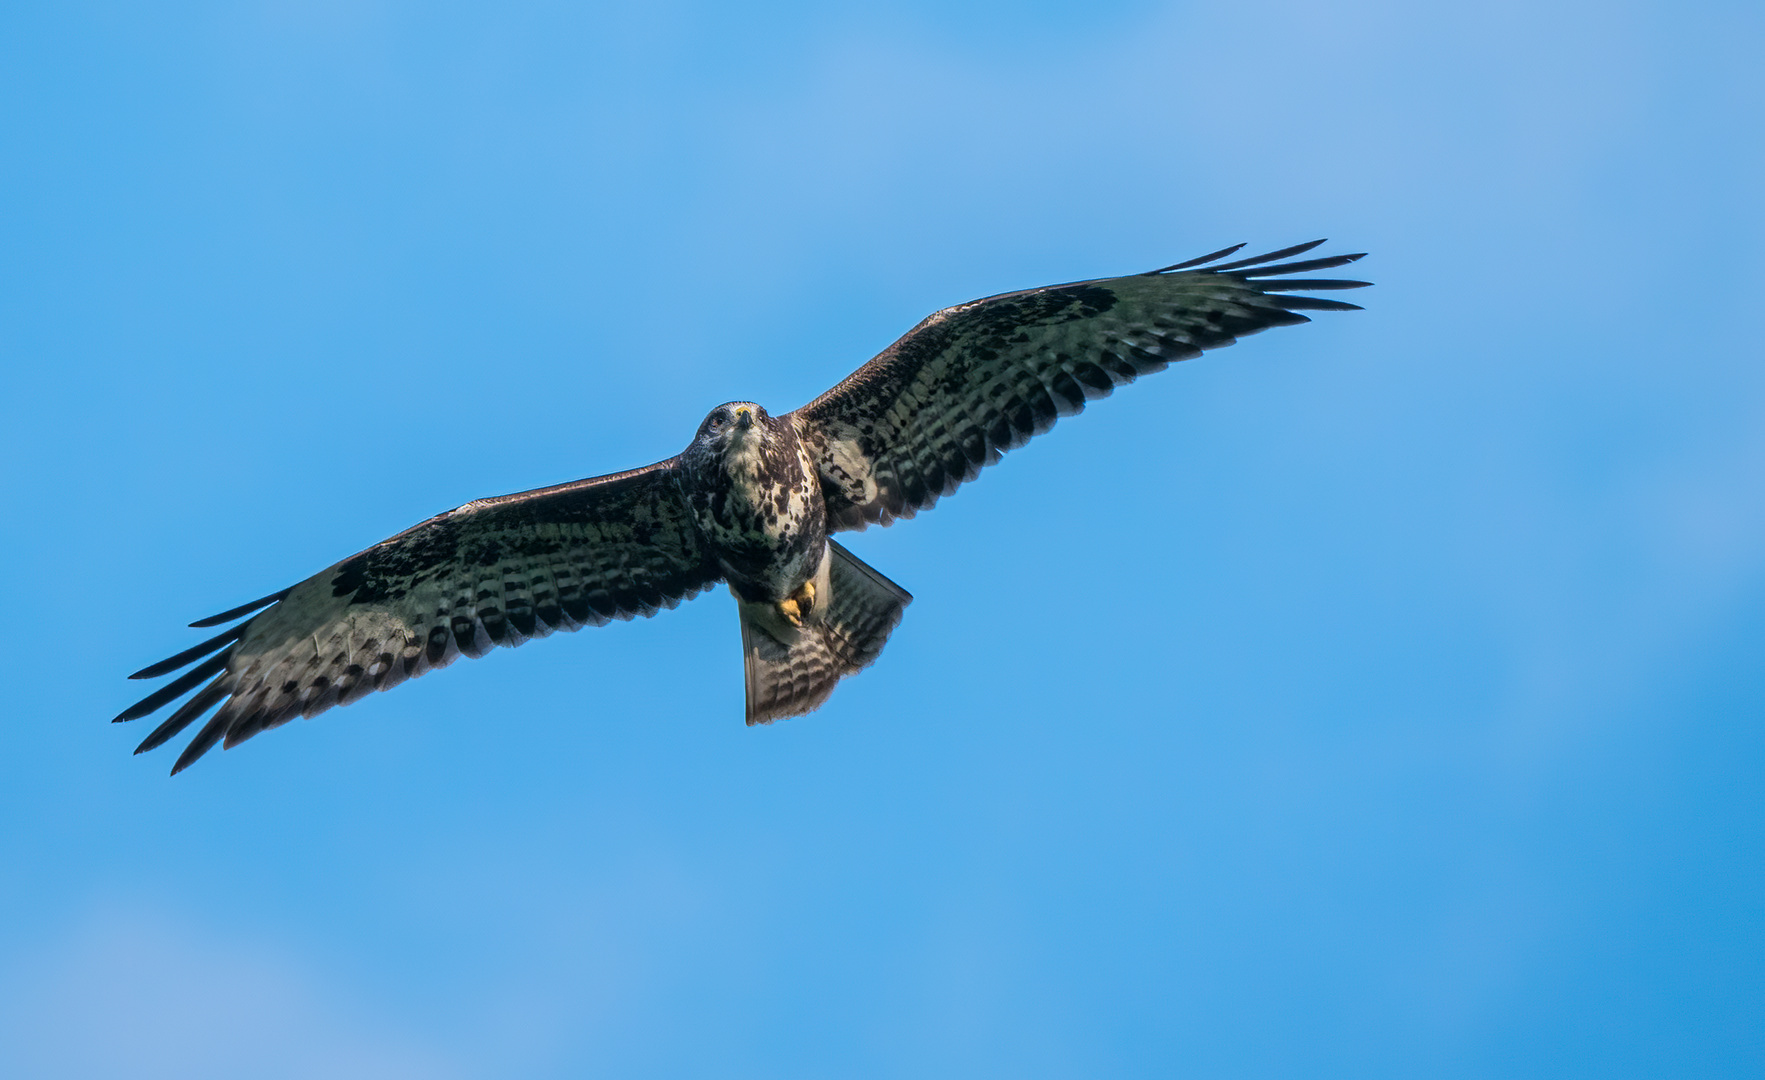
column 1377, row 698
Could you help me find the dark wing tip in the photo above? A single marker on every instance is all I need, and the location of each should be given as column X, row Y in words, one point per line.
column 178, row 687
column 242, row 609
column 1220, row 254
column 1302, row 284
column 1301, row 266
column 206, row 699
column 1311, row 303
column 1270, row 256
column 1267, row 275
column 173, row 663
column 1261, row 262
column 203, row 742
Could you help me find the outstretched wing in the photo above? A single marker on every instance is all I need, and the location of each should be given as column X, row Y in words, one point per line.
column 976, row 380
column 493, row 572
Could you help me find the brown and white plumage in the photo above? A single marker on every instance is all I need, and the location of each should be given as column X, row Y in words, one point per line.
column 492, row 572
column 750, row 502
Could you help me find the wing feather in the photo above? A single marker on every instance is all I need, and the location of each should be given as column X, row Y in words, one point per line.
column 234, row 613
column 493, row 572
column 1270, row 256
column 976, row 380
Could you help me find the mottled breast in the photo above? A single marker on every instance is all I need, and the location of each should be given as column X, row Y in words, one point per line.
column 757, row 498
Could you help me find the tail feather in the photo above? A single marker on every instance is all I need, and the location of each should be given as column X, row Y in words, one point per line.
column 791, row 671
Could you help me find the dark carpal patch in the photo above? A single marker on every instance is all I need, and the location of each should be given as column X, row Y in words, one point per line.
column 384, row 572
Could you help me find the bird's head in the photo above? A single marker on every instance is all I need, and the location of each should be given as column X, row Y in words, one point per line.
column 732, row 424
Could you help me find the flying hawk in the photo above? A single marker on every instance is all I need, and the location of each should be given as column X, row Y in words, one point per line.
column 751, row 502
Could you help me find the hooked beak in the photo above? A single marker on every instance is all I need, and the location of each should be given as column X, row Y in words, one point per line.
column 744, row 417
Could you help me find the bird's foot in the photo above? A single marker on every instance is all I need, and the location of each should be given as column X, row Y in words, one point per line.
column 798, row 604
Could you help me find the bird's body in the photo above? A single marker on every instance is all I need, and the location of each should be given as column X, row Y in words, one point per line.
column 754, row 494
column 750, row 502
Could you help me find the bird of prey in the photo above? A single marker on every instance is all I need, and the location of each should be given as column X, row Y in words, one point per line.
column 751, row 503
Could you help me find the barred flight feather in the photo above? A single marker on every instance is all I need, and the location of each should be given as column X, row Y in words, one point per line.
column 976, row 380
column 494, row 572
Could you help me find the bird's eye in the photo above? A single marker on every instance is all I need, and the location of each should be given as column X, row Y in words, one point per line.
column 716, row 422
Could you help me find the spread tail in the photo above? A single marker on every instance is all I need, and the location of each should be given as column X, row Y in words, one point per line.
column 792, row 670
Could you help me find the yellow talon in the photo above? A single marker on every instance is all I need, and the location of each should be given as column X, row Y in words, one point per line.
column 798, row 604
